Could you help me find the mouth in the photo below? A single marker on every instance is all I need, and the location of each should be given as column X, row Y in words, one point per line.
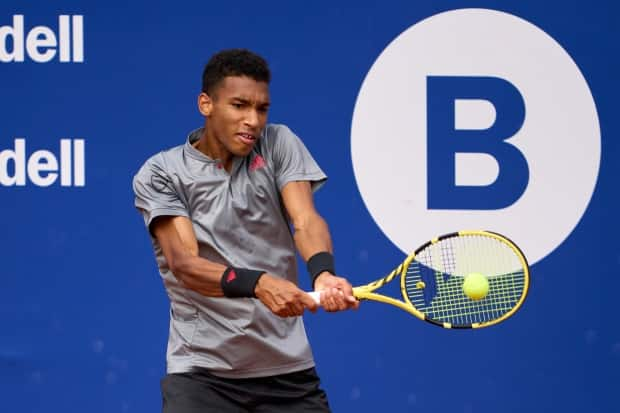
column 247, row 138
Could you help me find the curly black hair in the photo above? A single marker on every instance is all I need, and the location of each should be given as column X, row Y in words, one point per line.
column 234, row 62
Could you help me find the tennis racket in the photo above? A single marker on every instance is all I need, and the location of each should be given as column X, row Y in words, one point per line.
column 466, row 279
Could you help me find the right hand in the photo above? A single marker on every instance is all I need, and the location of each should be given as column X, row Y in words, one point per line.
column 283, row 297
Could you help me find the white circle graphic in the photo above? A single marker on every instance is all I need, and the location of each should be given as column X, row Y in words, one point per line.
column 559, row 138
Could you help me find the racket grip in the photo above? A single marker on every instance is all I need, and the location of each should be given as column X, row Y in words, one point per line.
column 316, row 296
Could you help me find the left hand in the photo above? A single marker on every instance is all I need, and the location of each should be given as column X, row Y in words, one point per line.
column 336, row 293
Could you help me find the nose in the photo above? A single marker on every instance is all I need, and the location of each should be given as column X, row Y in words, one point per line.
column 251, row 118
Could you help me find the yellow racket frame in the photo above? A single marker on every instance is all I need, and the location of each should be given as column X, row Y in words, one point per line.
column 366, row 292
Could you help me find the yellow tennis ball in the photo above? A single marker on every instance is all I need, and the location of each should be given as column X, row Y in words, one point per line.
column 476, row 286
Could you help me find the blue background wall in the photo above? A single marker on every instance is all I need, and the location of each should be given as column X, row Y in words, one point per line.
column 84, row 315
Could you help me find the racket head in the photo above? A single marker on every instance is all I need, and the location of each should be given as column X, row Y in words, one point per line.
column 432, row 279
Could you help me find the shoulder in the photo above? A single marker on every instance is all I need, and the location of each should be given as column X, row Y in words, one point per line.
column 274, row 131
column 164, row 158
column 277, row 135
column 158, row 167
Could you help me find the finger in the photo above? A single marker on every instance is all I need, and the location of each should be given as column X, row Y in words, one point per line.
column 306, row 302
column 343, row 303
column 327, row 300
column 349, row 298
column 341, row 300
column 353, row 304
column 351, row 301
column 285, row 310
column 282, row 313
column 298, row 308
column 335, row 300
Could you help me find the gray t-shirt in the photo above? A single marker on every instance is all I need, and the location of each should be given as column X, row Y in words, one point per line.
column 239, row 220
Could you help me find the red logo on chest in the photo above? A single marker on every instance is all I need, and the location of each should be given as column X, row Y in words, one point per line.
column 257, row 163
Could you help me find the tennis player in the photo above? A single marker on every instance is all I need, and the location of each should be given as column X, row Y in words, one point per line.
column 219, row 209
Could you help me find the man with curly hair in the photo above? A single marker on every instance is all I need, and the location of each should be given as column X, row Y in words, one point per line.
column 227, row 212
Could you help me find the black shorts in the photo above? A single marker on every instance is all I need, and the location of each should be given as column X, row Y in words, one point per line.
column 202, row 392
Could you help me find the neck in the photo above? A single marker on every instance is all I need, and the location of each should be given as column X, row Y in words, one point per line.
column 210, row 146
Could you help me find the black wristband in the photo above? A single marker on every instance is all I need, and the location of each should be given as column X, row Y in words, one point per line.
column 239, row 282
column 319, row 262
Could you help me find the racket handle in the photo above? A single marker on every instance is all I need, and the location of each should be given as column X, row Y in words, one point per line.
column 316, row 296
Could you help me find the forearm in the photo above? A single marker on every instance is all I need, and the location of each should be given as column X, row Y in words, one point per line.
column 314, row 244
column 313, row 241
column 198, row 274
column 312, row 236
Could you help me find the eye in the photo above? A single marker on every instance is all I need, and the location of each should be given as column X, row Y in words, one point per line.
column 237, row 105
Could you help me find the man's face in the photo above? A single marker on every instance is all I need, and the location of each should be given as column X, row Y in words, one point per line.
column 236, row 113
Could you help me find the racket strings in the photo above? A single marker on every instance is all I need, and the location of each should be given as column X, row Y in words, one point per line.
column 451, row 303
column 434, row 280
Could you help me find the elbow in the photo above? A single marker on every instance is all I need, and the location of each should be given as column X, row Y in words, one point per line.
column 181, row 269
column 307, row 221
column 180, row 258
column 179, row 264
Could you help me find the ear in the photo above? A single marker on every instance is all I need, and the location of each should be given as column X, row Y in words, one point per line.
column 205, row 104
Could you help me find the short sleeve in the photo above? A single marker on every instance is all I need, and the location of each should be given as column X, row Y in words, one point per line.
column 155, row 194
column 292, row 160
